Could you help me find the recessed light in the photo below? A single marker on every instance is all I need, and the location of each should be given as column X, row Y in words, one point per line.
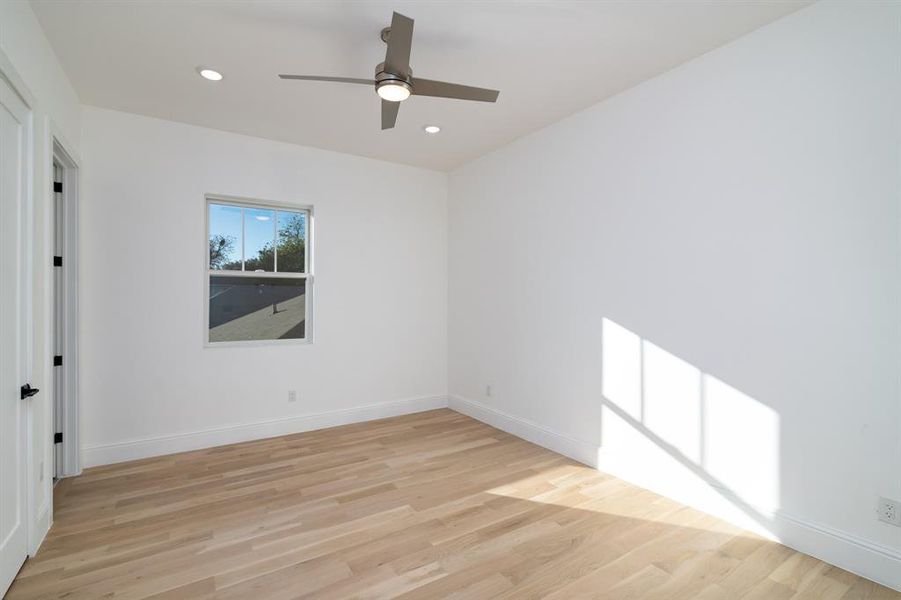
column 262, row 218
column 431, row 129
column 210, row 74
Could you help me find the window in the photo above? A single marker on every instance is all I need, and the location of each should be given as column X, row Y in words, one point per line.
column 258, row 279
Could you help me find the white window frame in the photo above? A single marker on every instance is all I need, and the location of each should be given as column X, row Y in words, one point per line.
column 306, row 275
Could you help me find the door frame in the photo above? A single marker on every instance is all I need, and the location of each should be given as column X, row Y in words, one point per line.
column 70, row 454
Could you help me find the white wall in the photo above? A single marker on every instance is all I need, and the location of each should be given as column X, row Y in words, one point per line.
column 27, row 59
column 380, row 290
column 697, row 281
column 25, row 45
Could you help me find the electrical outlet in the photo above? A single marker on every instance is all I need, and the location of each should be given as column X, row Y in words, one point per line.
column 292, row 396
column 488, row 390
column 889, row 511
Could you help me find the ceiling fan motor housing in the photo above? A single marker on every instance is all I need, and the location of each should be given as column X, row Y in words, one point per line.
column 382, row 77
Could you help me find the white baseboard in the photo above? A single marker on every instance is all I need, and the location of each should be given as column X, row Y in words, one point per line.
column 862, row 557
column 865, row 558
column 575, row 449
column 105, row 454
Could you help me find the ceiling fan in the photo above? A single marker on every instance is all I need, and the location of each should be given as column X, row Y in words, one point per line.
column 394, row 81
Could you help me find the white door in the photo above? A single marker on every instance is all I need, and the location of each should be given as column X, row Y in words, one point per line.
column 13, row 190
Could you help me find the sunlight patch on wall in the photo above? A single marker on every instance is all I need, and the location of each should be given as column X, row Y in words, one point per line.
column 622, row 368
column 741, row 443
column 686, row 430
column 672, row 400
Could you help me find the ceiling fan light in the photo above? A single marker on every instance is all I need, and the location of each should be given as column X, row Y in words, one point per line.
column 393, row 91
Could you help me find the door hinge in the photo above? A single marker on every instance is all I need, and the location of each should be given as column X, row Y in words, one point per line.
column 58, row 187
column 57, row 261
column 57, row 361
column 58, row 437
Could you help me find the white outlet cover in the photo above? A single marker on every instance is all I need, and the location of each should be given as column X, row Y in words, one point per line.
column 889, row 511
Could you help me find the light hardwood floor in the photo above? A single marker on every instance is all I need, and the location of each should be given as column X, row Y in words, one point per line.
column 432, row 505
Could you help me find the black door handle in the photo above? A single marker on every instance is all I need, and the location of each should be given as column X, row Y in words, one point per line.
column 28, row 391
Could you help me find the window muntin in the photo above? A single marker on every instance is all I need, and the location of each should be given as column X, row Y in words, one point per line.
column 258, row 280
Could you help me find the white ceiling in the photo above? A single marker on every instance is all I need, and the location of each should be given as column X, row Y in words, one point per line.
column 548, row 59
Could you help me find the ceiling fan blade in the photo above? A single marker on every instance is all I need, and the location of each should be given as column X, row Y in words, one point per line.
column 442, row 89
column 389, row 114
column 334, row 79
column 397, row 58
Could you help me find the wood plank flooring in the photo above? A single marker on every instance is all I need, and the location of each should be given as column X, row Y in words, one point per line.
column 431, row 505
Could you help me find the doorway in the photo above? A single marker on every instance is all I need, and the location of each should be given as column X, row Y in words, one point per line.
column 65, row 313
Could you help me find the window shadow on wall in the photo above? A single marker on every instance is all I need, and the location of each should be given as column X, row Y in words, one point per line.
column 663, row 415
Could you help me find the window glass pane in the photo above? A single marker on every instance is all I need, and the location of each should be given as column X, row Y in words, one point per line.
column 292, row 238
column 257, row 308
column 225, row 237
column 259, row 239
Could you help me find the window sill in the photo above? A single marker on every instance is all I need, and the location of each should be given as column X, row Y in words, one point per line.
column 258, row 343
